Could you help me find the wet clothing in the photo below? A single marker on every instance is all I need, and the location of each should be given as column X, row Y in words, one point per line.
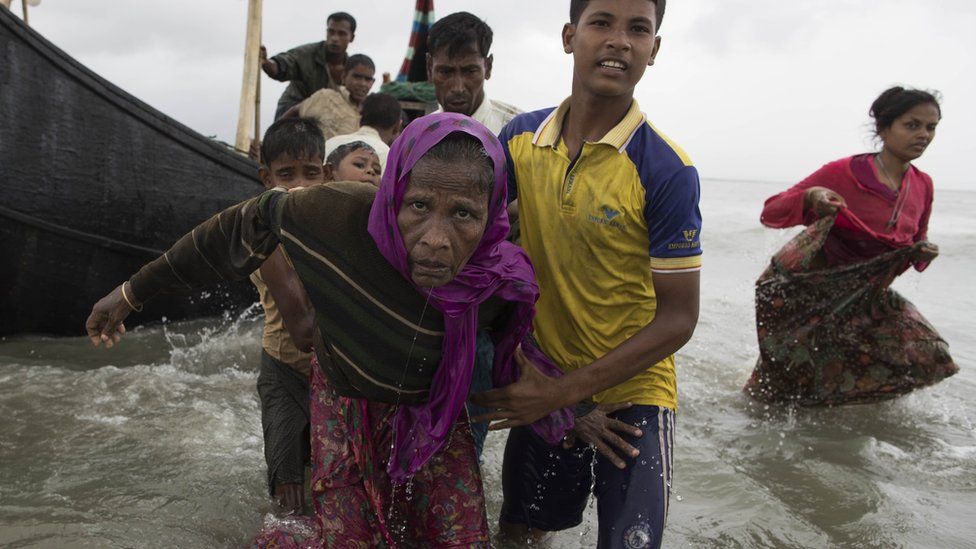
column 380, row 339
column 548, row 488
column 275, row 338
column 355, row 291
column 496, row 268
column 599, row 228
column 366, row 312
column 355, row 503
column 333, row 111
column 877, row 219
column 283, row 391
column 493, row 115
column 484, row 358
column 596, row 229
column 306, row 69
column 840, row 335
column 284, row 418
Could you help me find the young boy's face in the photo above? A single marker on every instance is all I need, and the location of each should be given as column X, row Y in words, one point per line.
column 289, row 172
column 612, row 44
column 359, row 80
column 359, row 165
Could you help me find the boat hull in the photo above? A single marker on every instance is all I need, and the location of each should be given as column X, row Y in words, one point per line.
column 93, row 184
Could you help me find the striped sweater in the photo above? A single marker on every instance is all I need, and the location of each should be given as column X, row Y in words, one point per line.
column 372, row 337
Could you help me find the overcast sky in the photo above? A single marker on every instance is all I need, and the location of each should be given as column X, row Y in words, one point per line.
column 752, row 89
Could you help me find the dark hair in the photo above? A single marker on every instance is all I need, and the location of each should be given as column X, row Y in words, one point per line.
column 576, row 8
column 342, row 151
column 343, row 16
column 463, row 148
column 296, row 137
column 896, row 101
column 359, row 59
column 458, row 31
column 381, row 111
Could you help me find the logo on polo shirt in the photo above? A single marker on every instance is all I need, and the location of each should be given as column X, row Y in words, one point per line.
column 689, row 242
column 607, row 216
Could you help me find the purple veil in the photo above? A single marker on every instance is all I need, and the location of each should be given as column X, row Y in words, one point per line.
column 497, row 268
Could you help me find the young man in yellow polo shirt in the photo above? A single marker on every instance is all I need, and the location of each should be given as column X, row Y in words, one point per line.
column 609, row 215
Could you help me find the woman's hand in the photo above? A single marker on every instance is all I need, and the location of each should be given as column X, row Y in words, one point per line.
column 104, row 324
column 822, row 201
column 600, row 430
column 925, row 252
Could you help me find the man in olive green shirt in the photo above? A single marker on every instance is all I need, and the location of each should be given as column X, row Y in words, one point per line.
column 314, row 66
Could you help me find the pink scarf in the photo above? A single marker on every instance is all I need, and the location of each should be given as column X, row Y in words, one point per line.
column 497, row 268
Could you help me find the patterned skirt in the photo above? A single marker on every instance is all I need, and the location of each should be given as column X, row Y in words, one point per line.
column 356, row 504
column 840, row 335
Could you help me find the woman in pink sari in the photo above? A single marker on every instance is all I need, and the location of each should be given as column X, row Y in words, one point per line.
column 830, row 329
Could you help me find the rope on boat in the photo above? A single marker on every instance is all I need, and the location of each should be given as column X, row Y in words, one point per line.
column 74, row 234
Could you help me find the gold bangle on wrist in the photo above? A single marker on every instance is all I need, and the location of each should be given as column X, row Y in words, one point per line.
column 129, row 301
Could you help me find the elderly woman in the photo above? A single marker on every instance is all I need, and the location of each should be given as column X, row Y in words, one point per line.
column 401, row 278
column 830, row 329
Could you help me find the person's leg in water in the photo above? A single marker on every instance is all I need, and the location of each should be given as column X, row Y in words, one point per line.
column 546, row 488
column 354, row 499
column 284, row 418
column 632, row 503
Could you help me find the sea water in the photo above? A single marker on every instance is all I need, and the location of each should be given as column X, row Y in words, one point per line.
column 157, row 442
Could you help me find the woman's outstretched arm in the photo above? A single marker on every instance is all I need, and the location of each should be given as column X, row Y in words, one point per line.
column 228, row 246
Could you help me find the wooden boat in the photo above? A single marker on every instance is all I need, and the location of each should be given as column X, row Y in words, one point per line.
column 93, row 184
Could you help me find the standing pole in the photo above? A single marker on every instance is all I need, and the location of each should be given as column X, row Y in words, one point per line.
column 252, row 74
column 257, row 104
column 23, row 3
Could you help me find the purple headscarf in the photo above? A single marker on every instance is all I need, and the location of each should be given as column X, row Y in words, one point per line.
column 497, row 268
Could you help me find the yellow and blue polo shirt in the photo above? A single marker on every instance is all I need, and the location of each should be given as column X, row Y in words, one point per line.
column 597, row 230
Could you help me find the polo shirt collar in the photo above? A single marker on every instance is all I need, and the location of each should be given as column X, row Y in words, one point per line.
column 549, row 131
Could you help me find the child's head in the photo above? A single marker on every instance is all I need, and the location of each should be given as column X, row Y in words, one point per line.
column 360, row 72
column 291, row 154
column 354, row 161
column 612, row 42
column 382, row 112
